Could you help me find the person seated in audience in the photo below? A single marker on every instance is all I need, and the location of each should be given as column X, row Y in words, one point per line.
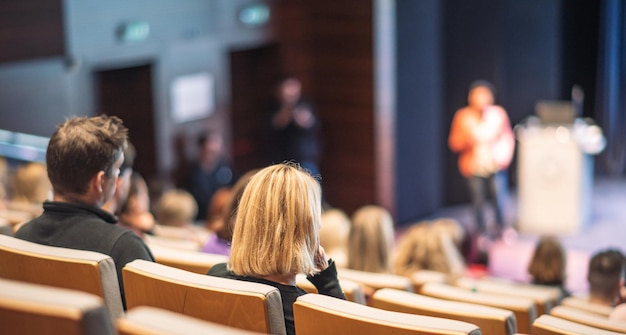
column 334, row 235
column 30, row 188
column 619, row 312
column 427, row 246
column 119, row 198
column 175, row 213
column 215, row 218
column 277, row 236
column 135, row 212
column 547, row 266
column 371, row 240
column 84, row 158
column 219, row 242
column 4, row 181
column 605, row 277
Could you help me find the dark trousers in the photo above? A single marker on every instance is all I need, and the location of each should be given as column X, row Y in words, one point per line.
column 496, row 186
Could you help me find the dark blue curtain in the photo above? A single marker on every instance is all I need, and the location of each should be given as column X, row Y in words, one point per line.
column 611, row 89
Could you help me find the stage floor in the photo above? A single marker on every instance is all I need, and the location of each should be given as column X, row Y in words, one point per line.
column 509, row 257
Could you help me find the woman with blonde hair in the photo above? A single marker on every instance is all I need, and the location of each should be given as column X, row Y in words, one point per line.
column 334, row 235
column 428, row 246
column 276, row 236
column 371, row 240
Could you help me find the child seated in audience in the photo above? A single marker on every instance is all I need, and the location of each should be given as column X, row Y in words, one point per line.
column 547, row 266
column 219, row 242
column 605, row 276
column 334, row 235
column 429, row 246
column 371, row 240
column 276, row 237
column 135, row 213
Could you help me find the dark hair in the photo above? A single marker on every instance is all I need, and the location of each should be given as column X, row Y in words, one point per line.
column 605, row 271
column 483, row 83
column 80, row 148
column 229, row 213
column 547, row 266
column 205, row 137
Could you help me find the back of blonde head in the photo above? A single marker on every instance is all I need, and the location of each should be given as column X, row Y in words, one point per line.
column 31, row 184
column 371, row 240
column 176, row 208
column 334, row 235
column 277, row 225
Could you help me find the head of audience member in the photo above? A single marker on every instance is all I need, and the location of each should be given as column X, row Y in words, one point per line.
column 334, row 235
column 289, row 90
column 31, row 184
column 371, row 239
column 114, row 205
column 547, row 266
column 135, row 213
column 210, row 148
column 229, row 213
column 481, row 94
column 426, row 247
column 605, row 276
column 277, row 225
column 219, row 200
column 84, row 158
column 4, row 179
column 176, row 208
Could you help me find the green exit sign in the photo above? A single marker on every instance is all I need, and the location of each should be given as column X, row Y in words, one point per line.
column 134, row 31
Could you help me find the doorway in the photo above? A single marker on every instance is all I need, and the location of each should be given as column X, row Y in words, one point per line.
column 254, row 73
column 127, row 94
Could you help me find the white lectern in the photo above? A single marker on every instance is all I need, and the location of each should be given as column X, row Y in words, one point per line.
column 555, row 176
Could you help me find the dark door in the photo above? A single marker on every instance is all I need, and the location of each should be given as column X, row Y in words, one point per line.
column 127, row 93
column 254, row 73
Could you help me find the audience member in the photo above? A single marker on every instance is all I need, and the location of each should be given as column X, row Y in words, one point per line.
column 277, row 236
column 84, row 158
column 371, row 240
column 334, row 235
column 605, row 276
column 176, row 208
column 122, row 187
column 215, row 218
column 135, row 213
column 294, row 127
column 428, row 247
column 30, row 188
column 219, row 242
column 547, row 266
column 4, row 181
column 209, row 173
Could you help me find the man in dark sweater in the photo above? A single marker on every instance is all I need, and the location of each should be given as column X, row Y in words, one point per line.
column 84, row 158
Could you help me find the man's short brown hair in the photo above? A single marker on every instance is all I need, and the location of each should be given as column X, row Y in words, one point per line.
column 605, row 271
column 80, row 148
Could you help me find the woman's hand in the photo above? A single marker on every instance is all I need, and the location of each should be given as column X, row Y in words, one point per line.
column 320, row 259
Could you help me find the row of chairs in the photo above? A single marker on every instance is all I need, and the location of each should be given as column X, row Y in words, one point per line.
column 222, row 300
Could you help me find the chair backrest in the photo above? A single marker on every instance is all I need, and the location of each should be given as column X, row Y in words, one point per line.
column 376, row 280
column 583, row 304
column 421, row 277
column 194, row 261
column 490, row 320
column 523, row 308
column 240, row 304
column 543, row 298
column 150, row 320
column 27, row 308
column 81, row 270
column 352, row 290
column 587, row 318
column 320, row 314
column 188, row 245
column 551, row 325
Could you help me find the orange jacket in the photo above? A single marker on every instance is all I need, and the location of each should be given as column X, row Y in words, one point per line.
column 469, row 127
